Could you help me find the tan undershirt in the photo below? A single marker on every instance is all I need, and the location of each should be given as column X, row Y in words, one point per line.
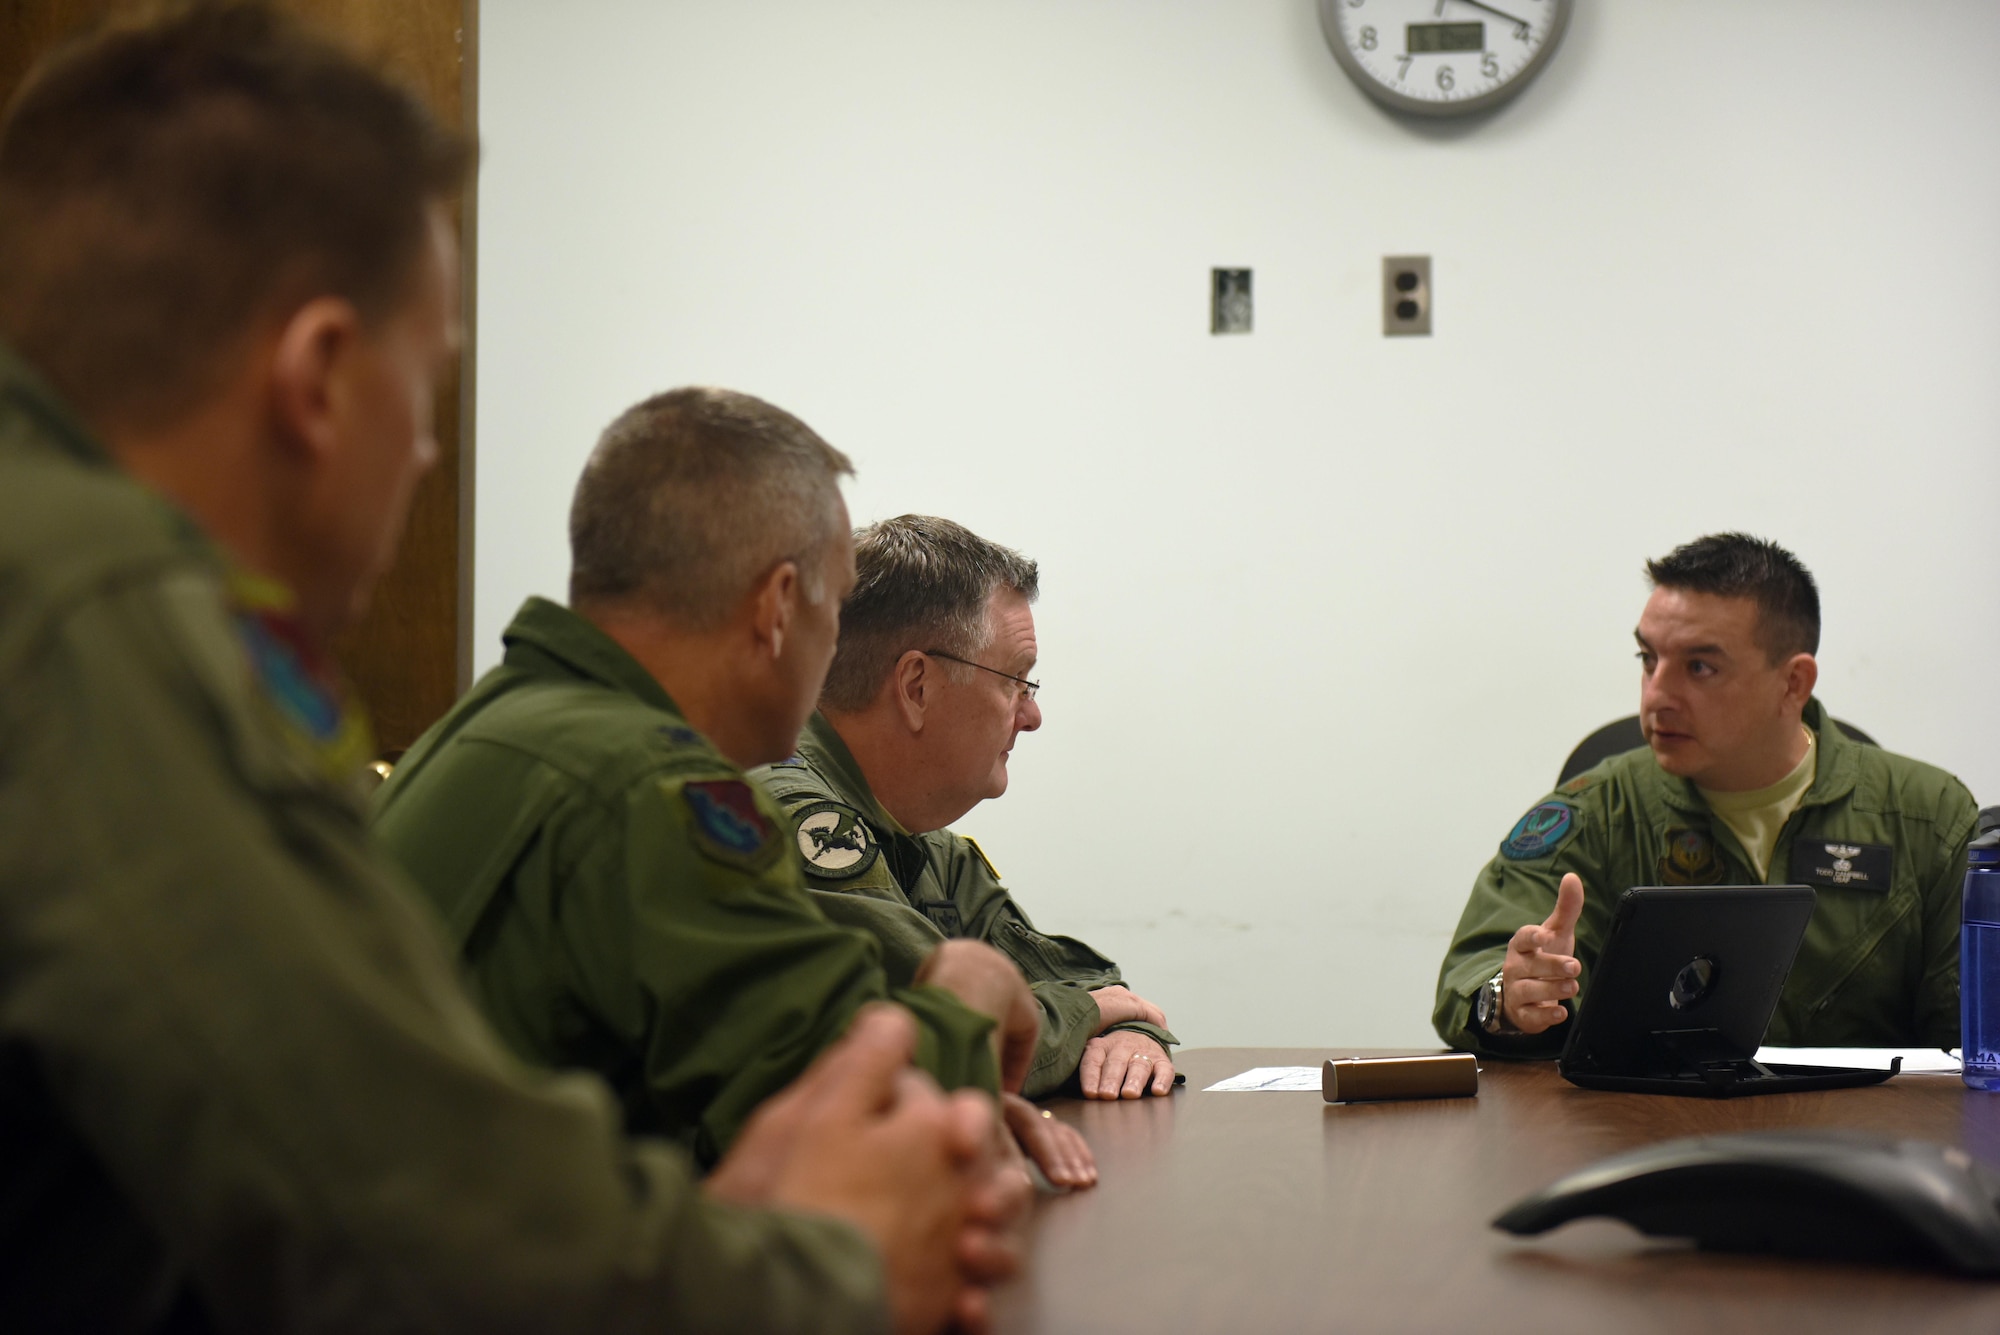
column 1757, row 817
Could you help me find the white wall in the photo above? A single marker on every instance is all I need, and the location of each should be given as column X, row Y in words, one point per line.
column 1322, row 611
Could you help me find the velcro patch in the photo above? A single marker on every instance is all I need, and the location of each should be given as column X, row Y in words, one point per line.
column 1690, row 859
column 1842, row 866
column 1540, row 832
column 834, row 841
column 727, row 824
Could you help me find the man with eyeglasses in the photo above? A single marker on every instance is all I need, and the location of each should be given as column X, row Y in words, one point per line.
column 927, row 693
column 623, row 898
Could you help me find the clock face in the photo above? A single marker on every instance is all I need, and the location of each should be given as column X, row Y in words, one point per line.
column 1443, row 57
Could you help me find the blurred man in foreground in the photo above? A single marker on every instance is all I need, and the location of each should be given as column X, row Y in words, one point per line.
column 240, row 1086
column 927, row 694
column 1744, row 780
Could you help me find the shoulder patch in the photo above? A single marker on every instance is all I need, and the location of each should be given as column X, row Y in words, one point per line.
column 834, row 841
column 1540, row 832
column 980, row 853
column 302, row 687
column 727, row 824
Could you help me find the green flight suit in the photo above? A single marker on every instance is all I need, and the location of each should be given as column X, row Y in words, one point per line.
column 241, row 1086
column 626, row 901
column 1879, row 964
column 912, row 892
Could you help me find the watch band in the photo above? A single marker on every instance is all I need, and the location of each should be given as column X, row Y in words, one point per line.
column 1492, row 1009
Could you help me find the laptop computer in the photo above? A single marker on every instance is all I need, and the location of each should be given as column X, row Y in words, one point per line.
column 1684, row 989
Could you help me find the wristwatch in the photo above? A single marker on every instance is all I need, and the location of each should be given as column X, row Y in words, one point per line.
column 1488, row 1010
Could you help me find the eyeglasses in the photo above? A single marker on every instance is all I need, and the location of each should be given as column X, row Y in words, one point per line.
column 1033, row 686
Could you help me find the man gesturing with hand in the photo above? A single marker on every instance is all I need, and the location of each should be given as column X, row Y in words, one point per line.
column 1541, row 970
column 1744, row 780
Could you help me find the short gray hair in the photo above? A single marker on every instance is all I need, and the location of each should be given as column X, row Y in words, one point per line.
column 693, row 496
column 920, row 583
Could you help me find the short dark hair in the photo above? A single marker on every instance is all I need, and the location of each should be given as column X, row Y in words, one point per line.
column 920, row 583
column 165, row 185
column 693, row 495
column 1736, row 565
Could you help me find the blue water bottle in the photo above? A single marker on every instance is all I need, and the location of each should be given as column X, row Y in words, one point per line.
column 1979, row 957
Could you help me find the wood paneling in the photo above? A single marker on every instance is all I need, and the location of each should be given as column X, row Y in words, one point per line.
column 406, row 657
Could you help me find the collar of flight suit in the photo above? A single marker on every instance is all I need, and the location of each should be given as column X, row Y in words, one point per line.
column 1835, row 778
column 24, row 391
column 545, row 636
column 821, row 746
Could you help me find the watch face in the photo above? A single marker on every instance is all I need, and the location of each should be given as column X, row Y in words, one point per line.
column 1443, row 57
column 1482, row 1004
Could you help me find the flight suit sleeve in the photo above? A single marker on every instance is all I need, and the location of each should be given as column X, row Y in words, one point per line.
column 1061, row 971
column 1563, row 833
column 710, row 961
column 1937, row 1018
column 261, row 1037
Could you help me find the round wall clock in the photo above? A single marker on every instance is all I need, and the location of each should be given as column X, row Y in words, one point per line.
column 1443, row 57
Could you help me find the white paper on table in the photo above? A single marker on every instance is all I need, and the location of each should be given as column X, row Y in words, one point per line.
column 1915, row 1060
column 1283, row 1078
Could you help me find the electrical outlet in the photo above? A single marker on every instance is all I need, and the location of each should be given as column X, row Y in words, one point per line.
column 1406, row 295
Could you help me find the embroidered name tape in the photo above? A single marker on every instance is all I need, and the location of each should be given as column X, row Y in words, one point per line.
column 1842, row 866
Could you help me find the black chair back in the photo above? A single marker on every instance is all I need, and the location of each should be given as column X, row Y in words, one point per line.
column 1625, row 735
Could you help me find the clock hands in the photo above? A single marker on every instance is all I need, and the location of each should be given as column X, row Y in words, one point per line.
column 1521, row 24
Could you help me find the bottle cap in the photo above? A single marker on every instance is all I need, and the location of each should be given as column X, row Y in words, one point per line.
column 1986, row 841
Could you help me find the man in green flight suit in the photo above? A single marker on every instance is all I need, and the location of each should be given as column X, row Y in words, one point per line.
column 240, row 1085
column 922, row 706
column 1745, row 780
column 624, row 898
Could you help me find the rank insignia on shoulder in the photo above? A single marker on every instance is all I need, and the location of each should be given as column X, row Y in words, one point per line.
column 1690, row 859
column 727, row 824
column 834, row 841
column 1540, row 832
column 680, row 735
column 980, row 853
column 789, row 762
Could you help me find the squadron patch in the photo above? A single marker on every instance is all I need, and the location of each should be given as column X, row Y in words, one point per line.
column 834, row 841
column 1690, row 859
column 302, row 687
column 1540, row 832
column 727, row 824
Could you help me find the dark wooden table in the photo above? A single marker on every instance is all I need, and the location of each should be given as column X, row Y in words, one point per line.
column 1278, row 1212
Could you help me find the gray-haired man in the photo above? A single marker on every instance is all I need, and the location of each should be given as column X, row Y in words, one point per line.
column 927, row 692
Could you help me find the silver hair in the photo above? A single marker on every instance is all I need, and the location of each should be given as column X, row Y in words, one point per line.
column 920, row 583
column 693, row 496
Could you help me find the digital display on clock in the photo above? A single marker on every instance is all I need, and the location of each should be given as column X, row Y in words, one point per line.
column 1426, row 38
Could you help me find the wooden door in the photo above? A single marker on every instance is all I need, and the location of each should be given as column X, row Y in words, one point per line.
column 410, row 656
